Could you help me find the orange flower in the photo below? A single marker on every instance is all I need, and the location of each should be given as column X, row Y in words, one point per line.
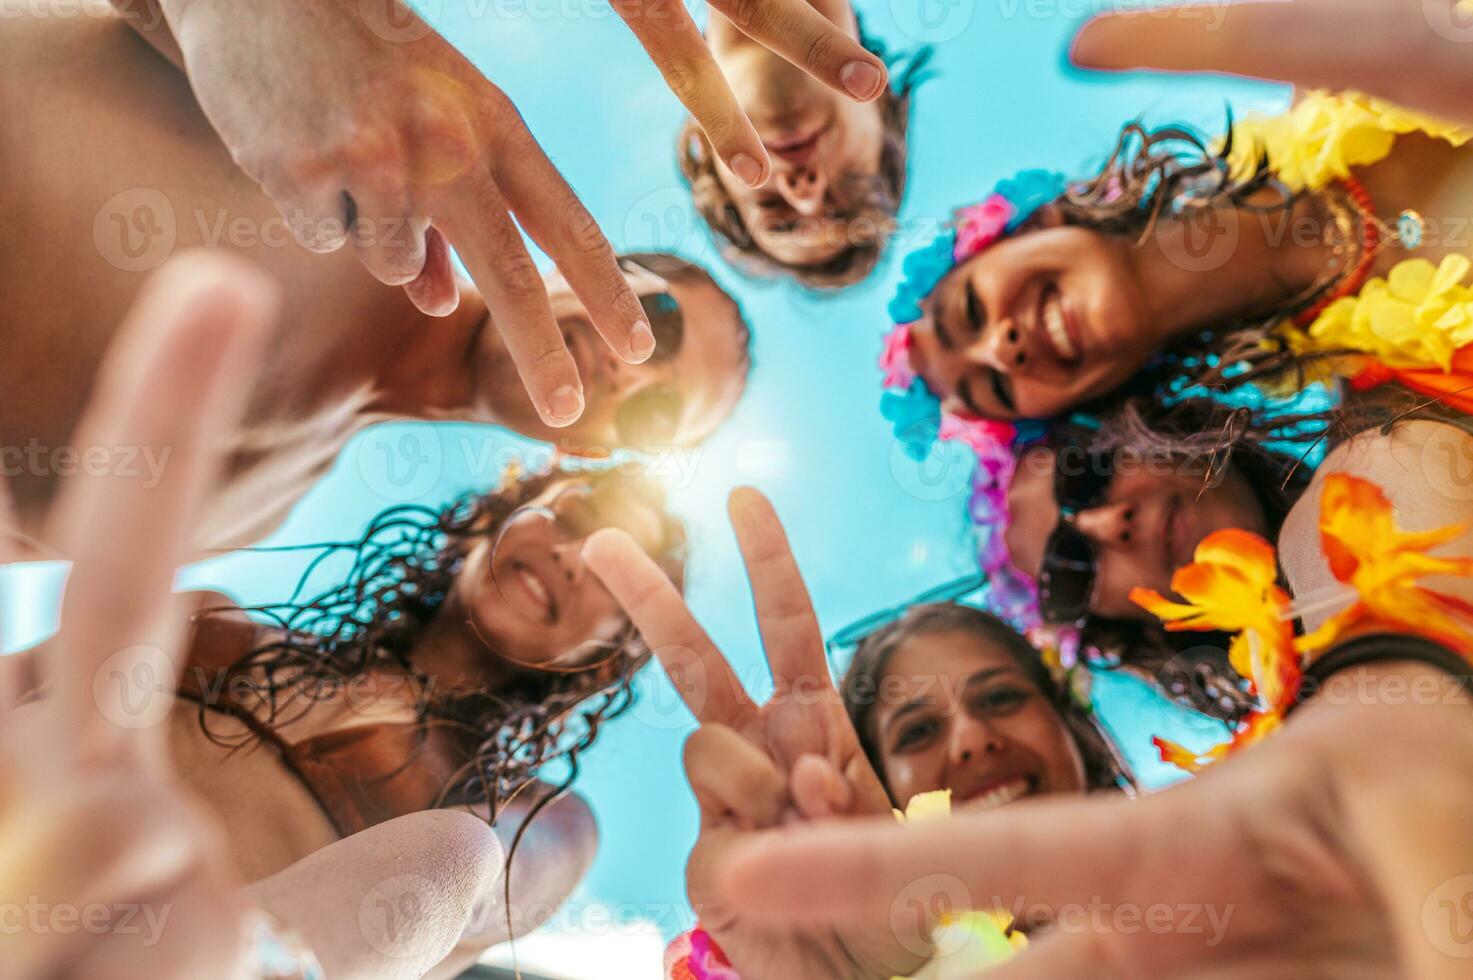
column 1255, row 727
column 1383, row 563
column 1232, row 586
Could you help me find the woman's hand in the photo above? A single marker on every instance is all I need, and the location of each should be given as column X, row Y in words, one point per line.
column 1336, row 848
column 113, row 871
column 755, row 767
column 1413, row 52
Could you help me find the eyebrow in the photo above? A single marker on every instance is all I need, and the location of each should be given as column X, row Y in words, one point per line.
column 925, row 700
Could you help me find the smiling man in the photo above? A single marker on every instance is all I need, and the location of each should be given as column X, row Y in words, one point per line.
column 838, row 166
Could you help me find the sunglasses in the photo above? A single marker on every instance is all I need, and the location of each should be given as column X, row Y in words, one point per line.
column 650, row 417
column 851, row 636
column 1066, row 582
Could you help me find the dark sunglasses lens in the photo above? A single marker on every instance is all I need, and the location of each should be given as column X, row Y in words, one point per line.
column 649, row 419
column 1082, row 478
column 1066, row 583
column 667, row 323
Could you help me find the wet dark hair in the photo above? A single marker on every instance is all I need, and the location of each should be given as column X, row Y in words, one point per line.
column 403, row 569
column 1103, row 767
column 874, row 202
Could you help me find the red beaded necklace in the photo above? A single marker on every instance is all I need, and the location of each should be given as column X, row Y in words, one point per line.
column 1355, row 278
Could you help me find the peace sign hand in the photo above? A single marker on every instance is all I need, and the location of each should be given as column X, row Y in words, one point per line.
column 117, row 872
column 755, row 767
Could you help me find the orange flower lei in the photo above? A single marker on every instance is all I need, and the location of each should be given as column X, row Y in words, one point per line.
column 1232, row 586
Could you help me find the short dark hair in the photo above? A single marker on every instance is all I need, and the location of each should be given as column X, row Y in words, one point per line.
column 1103, row 767
column 876, row 202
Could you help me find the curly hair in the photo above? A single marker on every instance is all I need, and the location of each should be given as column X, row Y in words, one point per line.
column 403, row 569
column 872, row 204
column 1104, row 769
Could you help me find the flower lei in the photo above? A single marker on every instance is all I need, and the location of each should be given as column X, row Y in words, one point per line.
column 915, row 413
column 1232, row 585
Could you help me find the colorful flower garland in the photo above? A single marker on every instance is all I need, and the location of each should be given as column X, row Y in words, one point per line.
column 915, row 413
column 1232, row 586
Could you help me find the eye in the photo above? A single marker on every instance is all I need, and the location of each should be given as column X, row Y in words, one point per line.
column 976, row 315
column 915, row 734
column 1000, row 700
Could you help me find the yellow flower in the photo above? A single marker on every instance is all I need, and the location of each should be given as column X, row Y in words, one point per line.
column 1325, row 134
column 926, row 806
column 1384, row 564
column 1418, row 317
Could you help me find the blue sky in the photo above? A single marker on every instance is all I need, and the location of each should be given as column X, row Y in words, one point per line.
column 867, row 529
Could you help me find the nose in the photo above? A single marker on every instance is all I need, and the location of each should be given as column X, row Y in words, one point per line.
column 999, row 347
column 803, row 188
column 569, row 558
column 1110, row 525
column 971, row 739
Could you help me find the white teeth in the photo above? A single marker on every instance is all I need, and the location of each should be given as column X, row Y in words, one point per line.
column 534, row 585
column 1002, row 796
column 1058, row 333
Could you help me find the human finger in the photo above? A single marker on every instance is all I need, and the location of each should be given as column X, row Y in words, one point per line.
column 790, row 633
column 479, row 225
column 797, row 31
column 733, row 778
column 545, row 205
column 170, row 388
column 388, row 237
column 435, row 292
column 1046, row 854
column 702, row 676
column 676, row 46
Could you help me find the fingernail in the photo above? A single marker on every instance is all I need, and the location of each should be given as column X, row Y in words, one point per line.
column 861, row 79
column 748, row 169
column 641, row 341
column 566, row 404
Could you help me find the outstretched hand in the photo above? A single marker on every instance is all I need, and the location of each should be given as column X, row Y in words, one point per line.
column 124, row 876
column 1319, row 853
column 1413, row 52
column 756, row 767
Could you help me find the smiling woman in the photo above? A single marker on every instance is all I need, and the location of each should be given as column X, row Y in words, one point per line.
column 951, row 697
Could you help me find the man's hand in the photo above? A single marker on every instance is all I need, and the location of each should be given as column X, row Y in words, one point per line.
column 1313, row 854
column 96, row 832
column 1413, row 52
column 790, row 28
column 374, row 131
column 754, row 767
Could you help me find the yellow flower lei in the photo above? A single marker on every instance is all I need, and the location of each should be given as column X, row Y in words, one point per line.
column 1321, row 137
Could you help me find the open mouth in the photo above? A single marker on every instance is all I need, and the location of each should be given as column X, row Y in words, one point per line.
column 796, row 149
column 996, row 795
column 1059, row 328
column 532, row 590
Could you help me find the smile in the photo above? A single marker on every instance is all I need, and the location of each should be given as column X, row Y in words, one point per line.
column 1058, row 327
column 990, row 798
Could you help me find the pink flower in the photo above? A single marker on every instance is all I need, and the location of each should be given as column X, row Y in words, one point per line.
column 985, row 436
column 895, row 359
column 980, row 225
